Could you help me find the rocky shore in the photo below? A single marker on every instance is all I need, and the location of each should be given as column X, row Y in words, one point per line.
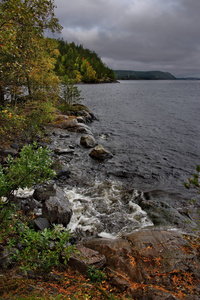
column 151, row 263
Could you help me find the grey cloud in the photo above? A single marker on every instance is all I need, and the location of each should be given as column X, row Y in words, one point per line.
column 136, row 34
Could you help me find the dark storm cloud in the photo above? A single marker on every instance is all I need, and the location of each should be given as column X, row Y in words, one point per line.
column 136, row 34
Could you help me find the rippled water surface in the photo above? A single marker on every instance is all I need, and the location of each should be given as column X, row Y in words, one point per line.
column 153, row 130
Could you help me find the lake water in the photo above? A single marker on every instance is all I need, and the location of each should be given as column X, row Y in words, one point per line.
column 153, row 130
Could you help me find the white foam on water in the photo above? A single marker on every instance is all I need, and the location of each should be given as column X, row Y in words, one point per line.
column 101, row 209
column 23, row 193
column 106, row 235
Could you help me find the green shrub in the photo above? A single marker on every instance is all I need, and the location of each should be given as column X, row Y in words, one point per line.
column 31, row 250
column 70, row 95
column 41, row 250
column 38, row 114
column 194, row 182
column 12, row 123
column 96, row 275
column 32, row 167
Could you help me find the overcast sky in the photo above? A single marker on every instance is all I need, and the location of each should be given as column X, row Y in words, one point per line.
column 139, row 35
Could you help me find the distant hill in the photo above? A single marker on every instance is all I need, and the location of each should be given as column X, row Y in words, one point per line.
column 140, row 75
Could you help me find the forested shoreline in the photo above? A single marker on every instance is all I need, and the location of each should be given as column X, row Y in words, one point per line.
column 37, row 89
column 81, row 65
column 142, row 75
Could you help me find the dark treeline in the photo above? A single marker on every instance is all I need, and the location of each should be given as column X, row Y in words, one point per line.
column 140, row 75
column 82, row 65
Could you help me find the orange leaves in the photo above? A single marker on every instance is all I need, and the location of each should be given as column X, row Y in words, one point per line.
column 132, row 261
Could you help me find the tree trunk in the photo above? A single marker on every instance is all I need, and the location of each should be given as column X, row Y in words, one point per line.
column 29, row 86
column 2, row 99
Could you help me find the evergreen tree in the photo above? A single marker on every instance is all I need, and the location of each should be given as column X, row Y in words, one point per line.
column 81, row 64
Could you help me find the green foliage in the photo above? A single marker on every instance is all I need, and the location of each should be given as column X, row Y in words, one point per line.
column 96, row 275
column 194, row 182
column 7, row 219
column 25, row 122
column 70, row 95
column 32, row 167
column 11, row 122
column 41, row 250
column 26, row 57
column 81, row 64
column 38, row 114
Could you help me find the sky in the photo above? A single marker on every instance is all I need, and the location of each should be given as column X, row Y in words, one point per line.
column 139, row 35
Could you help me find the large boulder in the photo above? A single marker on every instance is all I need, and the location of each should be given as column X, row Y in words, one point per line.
column 100, row 153
column 41, row 224
column 153, row 264
column 85, row 258
column 82, row 111
column 44, row 192
column 56, row 207
column 161, row 213
column 88, row 141
column 73, row 125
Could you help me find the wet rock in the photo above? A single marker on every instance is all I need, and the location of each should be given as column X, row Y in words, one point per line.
column 10, row 151
column 15, row 146
column 61, row 151
column 74, row 126
column 61, row 117
column 86, row 258
column 90, row 117
column 152, row 264
column 81, row 128
column 63, row 171
column 80, row 120
column 5, row 257
column 41, row 224
column 71, row 122
column 87, row 116
column 30, row 204
column 100, row 153
column 44, row 192
column 56, row 207
column 64, row 136
column 162, row 213
column 88, row 141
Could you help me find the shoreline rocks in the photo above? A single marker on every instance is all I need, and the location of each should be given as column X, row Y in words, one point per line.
column 100, row 153
column 55, row 205
column 147, row 264
column 88, row 141
column 152, row 264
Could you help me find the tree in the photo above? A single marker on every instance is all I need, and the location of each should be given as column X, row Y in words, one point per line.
column 88, row 73
column 81, row 64
column 25, row 56
column 70, row 92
